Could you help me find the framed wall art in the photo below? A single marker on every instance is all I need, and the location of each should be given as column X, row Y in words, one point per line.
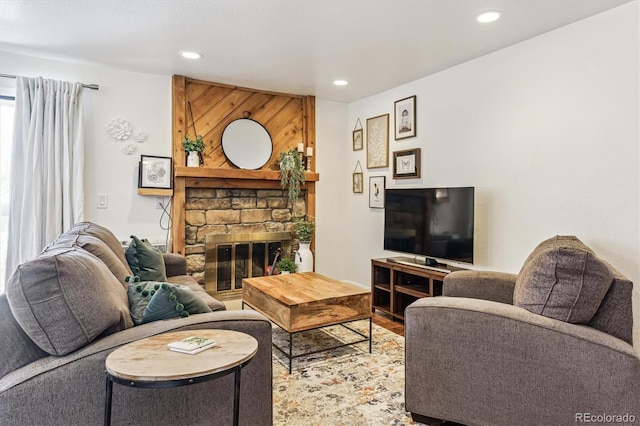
column 404, row 118
column 406, row 164
column 376, row 192
column 154, row 172
column 357, row 140
column 378, row 141
column 358, row 179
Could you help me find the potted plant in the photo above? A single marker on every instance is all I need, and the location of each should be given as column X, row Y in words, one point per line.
column 304, row 229
column 194, row 148
column 291, row 173
column 286, row 265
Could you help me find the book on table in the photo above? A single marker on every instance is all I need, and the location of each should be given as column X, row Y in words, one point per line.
column 192, row 345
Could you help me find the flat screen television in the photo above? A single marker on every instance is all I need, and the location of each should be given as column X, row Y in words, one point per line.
column 431, row 222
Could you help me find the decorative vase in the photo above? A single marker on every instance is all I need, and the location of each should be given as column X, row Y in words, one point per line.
column 193, row 159
column 304, row 258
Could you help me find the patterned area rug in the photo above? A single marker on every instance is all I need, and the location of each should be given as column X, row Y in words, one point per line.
column 343, row 386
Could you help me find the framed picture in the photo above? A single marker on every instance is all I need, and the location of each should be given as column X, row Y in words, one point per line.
column 154, row 172
column 376, row 192
column 404, row 119
column 406, row 164
column 357, row 140
column 378, row 141
column 358, row 182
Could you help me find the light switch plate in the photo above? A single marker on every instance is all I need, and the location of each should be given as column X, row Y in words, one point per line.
column 103, row 201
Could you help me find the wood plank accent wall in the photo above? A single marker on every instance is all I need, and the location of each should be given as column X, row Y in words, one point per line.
column 289, row 119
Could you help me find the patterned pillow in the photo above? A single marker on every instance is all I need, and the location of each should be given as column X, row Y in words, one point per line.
column 145, row 260
column 153, row 301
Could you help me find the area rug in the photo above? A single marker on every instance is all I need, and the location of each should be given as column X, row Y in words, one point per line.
column 343, row 386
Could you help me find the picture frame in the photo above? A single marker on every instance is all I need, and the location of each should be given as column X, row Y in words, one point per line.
column 378, row 141
column 154, row 172
column 406, row 164
column 376, row 192
column 357, row 139
column 358, row 183
column 404, row 118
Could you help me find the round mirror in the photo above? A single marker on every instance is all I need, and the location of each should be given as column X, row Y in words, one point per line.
column 246, row 144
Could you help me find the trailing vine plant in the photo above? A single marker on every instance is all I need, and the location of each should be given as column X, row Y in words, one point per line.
column 291, row 173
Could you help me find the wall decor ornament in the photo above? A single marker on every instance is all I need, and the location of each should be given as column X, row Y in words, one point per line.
column 376, row 192
column 119, row 130
column 404, row 118
column 406, row 164
column 154, row 172
column 141, row 137
column 128, row 149
column 357, row 137
column 378, row 141
column 357, row 179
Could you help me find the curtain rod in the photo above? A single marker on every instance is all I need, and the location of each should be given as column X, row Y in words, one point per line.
column 87, row 86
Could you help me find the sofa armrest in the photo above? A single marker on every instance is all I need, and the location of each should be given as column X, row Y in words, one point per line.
column 486, row 285
column 176, row 264
column 480, row 362
column 29, row 395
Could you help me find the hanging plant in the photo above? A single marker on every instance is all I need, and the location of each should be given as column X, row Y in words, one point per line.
column 291, row 173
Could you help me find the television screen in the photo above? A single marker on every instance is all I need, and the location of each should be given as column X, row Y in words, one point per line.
column 431, row 222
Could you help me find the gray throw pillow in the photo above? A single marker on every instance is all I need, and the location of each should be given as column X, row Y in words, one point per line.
column 66, row 298
column 145, row 260
column 563, row 279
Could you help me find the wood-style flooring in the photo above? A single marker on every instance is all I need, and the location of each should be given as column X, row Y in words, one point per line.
column 385, row 321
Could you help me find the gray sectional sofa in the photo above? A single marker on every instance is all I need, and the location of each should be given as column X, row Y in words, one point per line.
column 66, row 310
column 551, row 345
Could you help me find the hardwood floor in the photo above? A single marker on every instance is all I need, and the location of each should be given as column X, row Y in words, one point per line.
column 385, row 321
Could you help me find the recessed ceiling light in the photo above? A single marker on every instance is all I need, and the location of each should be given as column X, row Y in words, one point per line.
column 190, row 55
column 340, row 82
column 485, row 17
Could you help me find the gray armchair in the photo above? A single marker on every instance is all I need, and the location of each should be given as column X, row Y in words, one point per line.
column 474, row 358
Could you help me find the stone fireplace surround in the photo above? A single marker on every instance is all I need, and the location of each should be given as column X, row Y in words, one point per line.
column 234, row 211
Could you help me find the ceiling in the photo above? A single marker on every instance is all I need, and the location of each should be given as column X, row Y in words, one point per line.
column 290, row 46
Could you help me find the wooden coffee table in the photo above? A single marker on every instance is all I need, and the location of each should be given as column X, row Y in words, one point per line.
column 307, row 301
column 148, row 363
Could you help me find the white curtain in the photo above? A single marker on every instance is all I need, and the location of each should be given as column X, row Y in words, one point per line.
column 46, row 194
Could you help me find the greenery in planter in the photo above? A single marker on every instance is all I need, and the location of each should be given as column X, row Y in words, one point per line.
column 291, row 173
column 304, row 229
column 193, row 145
column 286, row 264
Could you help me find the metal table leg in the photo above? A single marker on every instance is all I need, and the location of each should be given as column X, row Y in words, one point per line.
column 107, row 402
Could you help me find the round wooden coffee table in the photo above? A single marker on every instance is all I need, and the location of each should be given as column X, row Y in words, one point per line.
column 148, row 363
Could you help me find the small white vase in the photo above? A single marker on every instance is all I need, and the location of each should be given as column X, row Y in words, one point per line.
column 193, row 159
column 304, row 258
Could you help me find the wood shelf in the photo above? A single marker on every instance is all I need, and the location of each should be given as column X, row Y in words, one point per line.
column 394, row 286
column 156, row 191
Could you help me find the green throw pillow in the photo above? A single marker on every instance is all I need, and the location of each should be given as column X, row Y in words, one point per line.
column 153, row 301
column 145, row 260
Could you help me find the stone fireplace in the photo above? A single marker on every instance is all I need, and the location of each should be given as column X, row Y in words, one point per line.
column 254, row 215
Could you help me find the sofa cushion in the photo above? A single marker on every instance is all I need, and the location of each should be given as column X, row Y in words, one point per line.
column 153, row 301
column 563, row 279
column 18, row 349
column 65, row 298
column 188, row 281
column 104, row 234
column 145, row 260
column 98, row 248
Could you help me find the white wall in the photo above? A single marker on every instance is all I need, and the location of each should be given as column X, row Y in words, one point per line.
column 547, row 132
column 142, row 99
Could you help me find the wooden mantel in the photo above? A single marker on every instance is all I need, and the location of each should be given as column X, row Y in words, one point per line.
column 208, row 172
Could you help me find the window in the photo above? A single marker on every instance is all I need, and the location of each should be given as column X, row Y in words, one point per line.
column 7, row 108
